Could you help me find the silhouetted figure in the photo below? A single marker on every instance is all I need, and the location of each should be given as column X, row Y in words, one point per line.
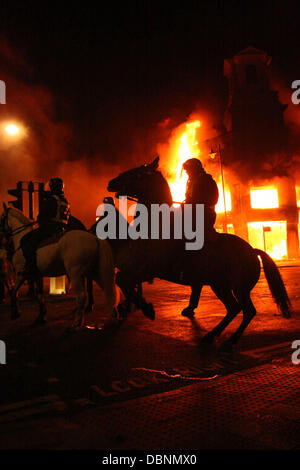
column 53, row 218
column 202, row 189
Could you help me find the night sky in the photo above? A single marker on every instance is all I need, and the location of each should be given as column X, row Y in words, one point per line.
column 93, row 84
column 117, row 70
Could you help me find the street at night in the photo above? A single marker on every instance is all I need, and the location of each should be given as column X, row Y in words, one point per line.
column 59, row 387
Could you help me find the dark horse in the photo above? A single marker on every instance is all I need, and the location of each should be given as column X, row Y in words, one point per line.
column 229, row 265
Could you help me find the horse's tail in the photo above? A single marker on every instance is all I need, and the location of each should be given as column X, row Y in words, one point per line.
column 106, row 272
column 275, row 283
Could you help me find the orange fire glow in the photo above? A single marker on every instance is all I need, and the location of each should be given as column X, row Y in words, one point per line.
column 264, row 198
column 220, row 206
column 188, row 148
column 269, row 236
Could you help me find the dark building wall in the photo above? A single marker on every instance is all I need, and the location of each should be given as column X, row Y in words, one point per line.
column 254, row 119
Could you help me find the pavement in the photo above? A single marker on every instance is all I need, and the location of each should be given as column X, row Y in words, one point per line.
column 147, row 385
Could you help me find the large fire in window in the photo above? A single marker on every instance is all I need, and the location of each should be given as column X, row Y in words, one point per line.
column 264, row 198
column 269, row 236
column 220, row 206
column 188, row 148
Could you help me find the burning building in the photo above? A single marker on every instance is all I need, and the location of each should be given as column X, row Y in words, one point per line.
column 250, row 160
column 263, row 191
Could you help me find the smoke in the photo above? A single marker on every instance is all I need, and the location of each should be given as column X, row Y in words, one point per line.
column 47, row 145
column 44, row 146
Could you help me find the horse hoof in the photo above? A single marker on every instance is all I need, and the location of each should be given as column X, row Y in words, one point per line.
column 227, row 347
column 111, row 325
column 123, row 309
column 207, row 340
column 90, row 308
column 188, row 312
column 148, row 311
column 71, row 329
column 15, row 315
column 40, row 322
column 76, row 325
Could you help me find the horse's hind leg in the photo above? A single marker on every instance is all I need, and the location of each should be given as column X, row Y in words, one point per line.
column 14, row 310
column 78, row 286
column 41, row 300
column 132, row 295
column 91, row 304
column 107, row 283
column 249, row 313
column 194, row 301
column 13, row 296
column 232, row 307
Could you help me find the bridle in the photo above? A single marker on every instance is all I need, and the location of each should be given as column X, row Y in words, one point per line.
column 8, row 231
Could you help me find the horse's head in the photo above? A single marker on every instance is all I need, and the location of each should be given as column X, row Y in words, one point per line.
column 12, row 219
column 4, row 227
column 144, row 183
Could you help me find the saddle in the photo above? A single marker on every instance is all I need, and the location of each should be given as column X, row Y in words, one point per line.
column 51, row 240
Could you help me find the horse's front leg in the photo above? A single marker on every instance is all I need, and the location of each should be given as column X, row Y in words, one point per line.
column 40, row 320
column 78, row 285
column 128, row 287
column 91, row 303
column 14, row 310
column 194, row 301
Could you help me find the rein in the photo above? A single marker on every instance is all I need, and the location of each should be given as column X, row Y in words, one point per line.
column 134, row 199
column 18, row 230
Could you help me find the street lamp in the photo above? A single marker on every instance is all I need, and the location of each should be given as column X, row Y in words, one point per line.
column 12, row 129
column 213, row 155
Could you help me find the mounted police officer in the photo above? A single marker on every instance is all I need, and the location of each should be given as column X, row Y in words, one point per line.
column 53, row 218
column 202, row 189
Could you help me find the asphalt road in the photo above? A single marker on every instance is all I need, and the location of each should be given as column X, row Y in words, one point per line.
column 50, row 372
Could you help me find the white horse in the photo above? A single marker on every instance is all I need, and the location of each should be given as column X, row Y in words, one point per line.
column 78, row 254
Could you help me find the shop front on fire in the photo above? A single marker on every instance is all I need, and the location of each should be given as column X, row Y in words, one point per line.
column 251, row 161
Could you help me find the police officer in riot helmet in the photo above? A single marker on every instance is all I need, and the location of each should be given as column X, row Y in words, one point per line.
column 54, row 212
column 202, row 189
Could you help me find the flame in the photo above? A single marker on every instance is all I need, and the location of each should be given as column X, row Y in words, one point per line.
column 188, row 148
column 298, row 195
column 264, row 198
column 220, row 205
column 269, row 236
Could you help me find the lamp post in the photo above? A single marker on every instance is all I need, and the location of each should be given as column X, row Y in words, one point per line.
column 213, row 155
column 12, row 129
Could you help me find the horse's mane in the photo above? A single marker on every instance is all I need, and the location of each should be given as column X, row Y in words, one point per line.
column 161, row 188
column 19, row 215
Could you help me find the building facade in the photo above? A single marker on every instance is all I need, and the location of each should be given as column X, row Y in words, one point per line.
column 261, row 201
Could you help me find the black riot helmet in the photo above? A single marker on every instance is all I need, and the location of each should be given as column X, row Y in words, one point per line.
column 193, row 166
column 56, row 186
